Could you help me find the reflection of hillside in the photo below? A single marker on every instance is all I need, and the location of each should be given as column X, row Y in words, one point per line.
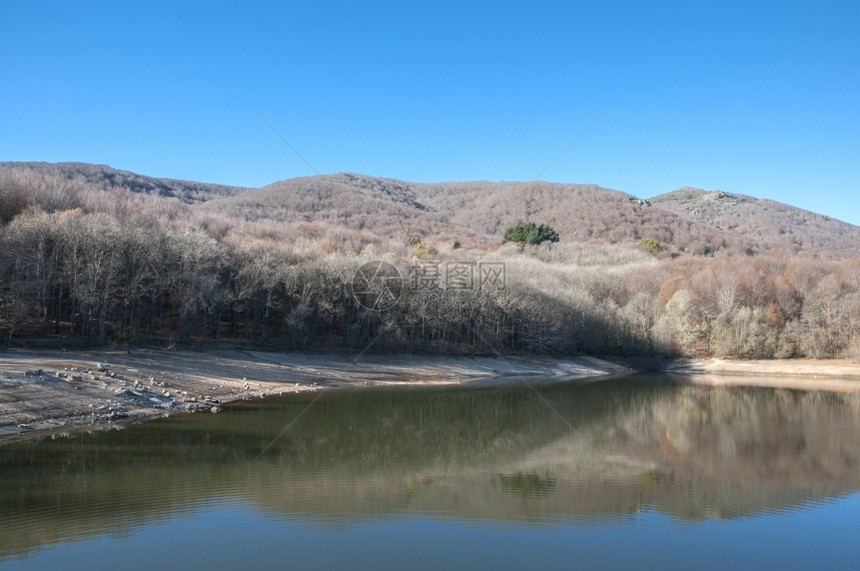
column 485, row 454
column 701, row 452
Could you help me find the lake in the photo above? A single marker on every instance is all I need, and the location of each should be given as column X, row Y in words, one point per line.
column 634, row 472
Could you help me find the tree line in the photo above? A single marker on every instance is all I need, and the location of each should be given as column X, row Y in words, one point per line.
column 94, row 277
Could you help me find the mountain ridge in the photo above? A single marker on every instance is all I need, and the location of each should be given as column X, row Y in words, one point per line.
column 687, row 219
column 763, row 218
column 106, row 177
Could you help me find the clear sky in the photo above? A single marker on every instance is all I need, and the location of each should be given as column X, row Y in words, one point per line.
column 752, row 97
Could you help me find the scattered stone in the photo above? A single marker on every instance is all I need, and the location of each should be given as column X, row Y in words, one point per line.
column 215, row 409
column 77, row 378
column 103, row 367
column 34, row 373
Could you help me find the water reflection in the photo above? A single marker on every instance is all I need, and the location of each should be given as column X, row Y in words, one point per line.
column 474, row 453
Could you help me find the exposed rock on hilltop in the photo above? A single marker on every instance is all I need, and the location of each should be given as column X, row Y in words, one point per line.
column 761, row 220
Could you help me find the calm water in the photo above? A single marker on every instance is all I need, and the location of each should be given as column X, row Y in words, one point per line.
column 628, row 473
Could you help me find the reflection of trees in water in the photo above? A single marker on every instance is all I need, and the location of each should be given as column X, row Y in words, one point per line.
column 743, row 450
column 485, row 453
column 749, row 434
column 527, row 485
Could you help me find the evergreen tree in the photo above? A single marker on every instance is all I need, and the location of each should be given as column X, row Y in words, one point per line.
column 530, row 233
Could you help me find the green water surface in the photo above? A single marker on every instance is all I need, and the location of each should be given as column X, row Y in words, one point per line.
column 637, row 472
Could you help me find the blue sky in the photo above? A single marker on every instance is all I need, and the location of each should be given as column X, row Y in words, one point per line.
column 759, row 98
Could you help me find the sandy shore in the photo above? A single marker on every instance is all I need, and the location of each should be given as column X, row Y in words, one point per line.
column 50, row 393
column 804, row 374
column 844, row 368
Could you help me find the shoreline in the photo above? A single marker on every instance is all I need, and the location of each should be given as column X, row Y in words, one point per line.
column 64, row 392
column 833, row 375
column 813, row 368
column 58, row 393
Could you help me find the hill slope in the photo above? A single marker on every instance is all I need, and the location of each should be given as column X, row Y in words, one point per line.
column 762, row 220
column 687, row 220
column 105, row 178
column 279, row 266
column 477, row 213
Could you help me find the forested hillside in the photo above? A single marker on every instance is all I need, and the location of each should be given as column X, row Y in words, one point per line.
column 763, row 220
column 92, row 256
column 106, row 178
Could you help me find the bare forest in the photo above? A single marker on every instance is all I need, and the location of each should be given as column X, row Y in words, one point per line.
column 93, row 256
